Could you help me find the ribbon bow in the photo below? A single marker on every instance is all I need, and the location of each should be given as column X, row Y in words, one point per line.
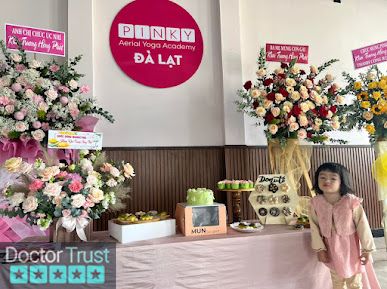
column 70, row 223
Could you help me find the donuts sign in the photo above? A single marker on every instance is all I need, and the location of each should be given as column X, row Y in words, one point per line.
column 156, row 43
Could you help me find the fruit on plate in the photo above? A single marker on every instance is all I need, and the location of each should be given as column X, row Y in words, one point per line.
column 127, row 218
column 146, row 217
column 245, row 225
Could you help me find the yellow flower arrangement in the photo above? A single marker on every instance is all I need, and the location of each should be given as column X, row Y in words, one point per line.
column 369, row 109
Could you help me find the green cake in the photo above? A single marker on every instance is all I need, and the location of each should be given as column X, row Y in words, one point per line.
column 200, row 197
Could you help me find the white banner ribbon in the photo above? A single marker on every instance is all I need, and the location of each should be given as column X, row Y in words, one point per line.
column 70, row 223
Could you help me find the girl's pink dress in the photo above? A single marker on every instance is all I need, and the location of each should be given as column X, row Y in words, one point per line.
column 14, row 229
column 340, row 226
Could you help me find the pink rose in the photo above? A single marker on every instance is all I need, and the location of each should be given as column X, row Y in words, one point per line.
column 66, row 213
column 74, row 112
column 45, row 126
column 20, row 68
column 64, row 89
column 18, row 115
column 84, row 89
column 36, row 185
column 4, row 100
column 75, row 186
column 84, row 214
column 62, row 175
column 54, row 68
column 74, row 177
column 88, row 204
column 37, row 99
column 37, row 124
column 64, row 100
column 16, row 87
column 10, row 108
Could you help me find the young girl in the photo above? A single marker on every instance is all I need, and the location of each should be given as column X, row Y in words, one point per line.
column 341, row 235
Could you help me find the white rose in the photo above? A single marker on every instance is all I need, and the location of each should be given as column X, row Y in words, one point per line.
column 51, row 94
column 13, row 164
column 114, row 172
column 286, row 108
column 273, row 128
column 111, row 183
column 329, row 77
column 324, row 99
column 340, row 99
column 52, row 189
column 16, row 199
column 301, row 134
column 291, row 119
column 290, row 82
column 25, row 168
column 35, row 64
column 303, row 88
column 293, row 126
column 313, row 69
column 371, row 75
column 318, row 99
column 303, row 120
column 20, row 126
column 77, row 200
column 260, row 111
column 275, row 111
column 86, row 165
column 128, row 170
column 316, row 127
column 279, row 97
column 278, row 71
column 38, row 134
column 261, row 72
column 308, row 83
column 304, row 106
column 92, row 180
column 329, row 114
column 30, row 204
column 295, row 95
column 335, row 125
column 96, row 195
column 304, row 95
column 73, row 84
column 29, row 93
column 49, row 172
column 16, row 57
column 367, row 115
column 295, row 69
column 311, row 105
column 255, row 93
column 267, row 103
column 43, row 106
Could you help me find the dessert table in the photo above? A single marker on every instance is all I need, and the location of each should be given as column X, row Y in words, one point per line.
column 276, row 257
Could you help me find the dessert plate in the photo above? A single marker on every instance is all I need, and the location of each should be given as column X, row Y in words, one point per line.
column 246, row 227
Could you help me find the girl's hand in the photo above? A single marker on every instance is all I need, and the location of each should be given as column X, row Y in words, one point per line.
column 323, row 256
column 364, row 258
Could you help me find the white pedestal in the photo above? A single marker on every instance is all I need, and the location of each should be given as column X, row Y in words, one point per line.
column 137, row 232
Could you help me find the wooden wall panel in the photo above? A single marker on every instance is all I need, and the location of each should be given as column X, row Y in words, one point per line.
column 163, row 175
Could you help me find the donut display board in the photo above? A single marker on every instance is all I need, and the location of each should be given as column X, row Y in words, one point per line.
column 273, row 199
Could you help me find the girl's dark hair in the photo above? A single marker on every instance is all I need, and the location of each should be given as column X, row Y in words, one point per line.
column 345, row 177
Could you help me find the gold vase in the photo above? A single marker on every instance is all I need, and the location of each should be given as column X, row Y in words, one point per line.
column 291, row 159
column 61, row 234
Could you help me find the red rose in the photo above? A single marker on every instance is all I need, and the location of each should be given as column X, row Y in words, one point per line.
column 283, row 92
column 332, row 90
column 314, row 111
column 282, row 75
column 302, row 72
column 271, row 96
column 255, row 104
column 323, row 111
column 269, row 117
column 333, row 109
column 284, row 65
column 309, row 135
column 248, row 85
column 267, row 82
column 296, row 111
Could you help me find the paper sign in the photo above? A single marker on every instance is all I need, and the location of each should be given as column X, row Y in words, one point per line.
column 35, row 39
column 370, row 55
column 286, row 52
column 74, row 140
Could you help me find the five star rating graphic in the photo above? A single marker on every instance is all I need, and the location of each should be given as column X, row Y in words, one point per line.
column 43, row 274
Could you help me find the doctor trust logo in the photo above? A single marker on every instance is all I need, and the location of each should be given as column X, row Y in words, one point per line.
column 156, row 43
column 59, row 266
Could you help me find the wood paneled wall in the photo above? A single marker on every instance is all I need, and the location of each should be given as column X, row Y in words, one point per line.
column 163, row 175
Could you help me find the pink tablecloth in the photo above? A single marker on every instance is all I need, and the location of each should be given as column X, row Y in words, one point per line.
column 277, row 257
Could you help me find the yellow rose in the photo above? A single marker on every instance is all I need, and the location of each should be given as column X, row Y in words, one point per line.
column 13, row 164
column 382, row 84
column 384, row 78
column 357, row 85
column 370, row 128
column 365, row 104
column 376, row 95
column 372, row 85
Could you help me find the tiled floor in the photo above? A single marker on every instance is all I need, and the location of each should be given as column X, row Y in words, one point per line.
column 380, row 262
